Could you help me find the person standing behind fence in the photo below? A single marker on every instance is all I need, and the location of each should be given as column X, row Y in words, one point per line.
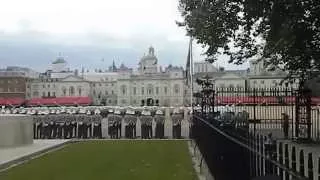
column 285, row 125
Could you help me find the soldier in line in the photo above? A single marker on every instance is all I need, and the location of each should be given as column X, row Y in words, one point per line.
column 66, row 127
column 130, row 119
column 117, row 124
column 177, row 117
column 73, row 131
column 146, row 122
column 159, row 119
column 110, row 117
column 46, row 128
column 60, row 127
column 97, row 126
column 81, row 126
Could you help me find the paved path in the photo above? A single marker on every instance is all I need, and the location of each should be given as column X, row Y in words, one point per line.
column 14, row 155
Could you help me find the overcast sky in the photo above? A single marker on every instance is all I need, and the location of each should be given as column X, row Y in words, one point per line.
column 33, row 32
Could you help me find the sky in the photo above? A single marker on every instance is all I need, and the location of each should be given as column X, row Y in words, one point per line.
column 93, row 33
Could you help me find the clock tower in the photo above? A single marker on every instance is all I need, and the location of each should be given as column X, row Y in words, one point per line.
column 149, row 63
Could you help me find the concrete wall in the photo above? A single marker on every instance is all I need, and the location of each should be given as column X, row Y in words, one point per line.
column 15, row 130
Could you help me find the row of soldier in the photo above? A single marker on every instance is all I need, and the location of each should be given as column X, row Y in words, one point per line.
column 65, row 126
column 90, row 125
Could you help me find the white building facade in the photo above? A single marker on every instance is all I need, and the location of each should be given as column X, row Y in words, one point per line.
column 52, row 87
column 148, row 85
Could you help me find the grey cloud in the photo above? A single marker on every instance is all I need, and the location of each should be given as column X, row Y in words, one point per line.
column 37, row 49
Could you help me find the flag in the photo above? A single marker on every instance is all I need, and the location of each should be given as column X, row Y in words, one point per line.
column 189, row 63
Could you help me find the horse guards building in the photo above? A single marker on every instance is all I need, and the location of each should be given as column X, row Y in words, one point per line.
column 149, row 84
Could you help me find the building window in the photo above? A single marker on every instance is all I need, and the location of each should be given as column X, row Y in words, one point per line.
column 106, row 93
column 94, row 92
column 142, row 90
column 48, row 85
column 123, row 89
column 262, row 82
column 254, row 82
column 79, row 91
column 64, row 90
column 165, row 90
column 49, row 94
column 112, row 92
column 150, row 89
column 134, row 90
column 176, row 88
column 109, row 101
column 94, row 85
column 54, row 94
column 44, row 86
column 123, row 101
column 100, row 84
column 16, row 89
column 157, row 90
column 71, row 91
column 43, row 94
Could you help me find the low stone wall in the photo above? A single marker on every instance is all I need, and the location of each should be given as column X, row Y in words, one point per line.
column 15, row 130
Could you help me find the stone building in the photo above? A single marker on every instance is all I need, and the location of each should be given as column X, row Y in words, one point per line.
column 58, row 87
column 151, row 86
column 13, row 81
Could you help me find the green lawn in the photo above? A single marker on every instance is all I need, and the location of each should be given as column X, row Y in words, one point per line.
column 108, row 160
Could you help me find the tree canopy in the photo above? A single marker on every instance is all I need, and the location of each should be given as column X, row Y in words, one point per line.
column 284, row 33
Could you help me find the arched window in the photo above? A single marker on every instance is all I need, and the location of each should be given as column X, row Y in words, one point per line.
column 79, row 91
column 123, row 89
column 71, row 91
column 176, row 88
column 150, row 89
column 64, row 91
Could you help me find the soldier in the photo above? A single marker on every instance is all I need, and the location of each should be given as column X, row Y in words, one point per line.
column 110, row 118
column 117, row 123
column 80, row 126
column 177, row 117
column 159, row 119
column 146, row 123
column 129, row 119
column 45, row 127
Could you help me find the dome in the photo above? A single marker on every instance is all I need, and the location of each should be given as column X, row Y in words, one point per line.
column 59, row 60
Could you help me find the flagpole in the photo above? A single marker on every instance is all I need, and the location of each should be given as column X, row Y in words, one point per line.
column 191, row 71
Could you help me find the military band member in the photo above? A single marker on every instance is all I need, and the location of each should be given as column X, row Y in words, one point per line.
column 159, row 119
column 146, row 122
column 117, row 123
column 177, row 117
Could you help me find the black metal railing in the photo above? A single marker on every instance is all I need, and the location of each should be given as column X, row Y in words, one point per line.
column 244, row 133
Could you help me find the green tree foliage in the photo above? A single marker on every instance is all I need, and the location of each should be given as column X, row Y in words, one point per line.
column 285, row 33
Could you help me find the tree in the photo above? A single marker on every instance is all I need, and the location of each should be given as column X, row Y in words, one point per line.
column 284, row 33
